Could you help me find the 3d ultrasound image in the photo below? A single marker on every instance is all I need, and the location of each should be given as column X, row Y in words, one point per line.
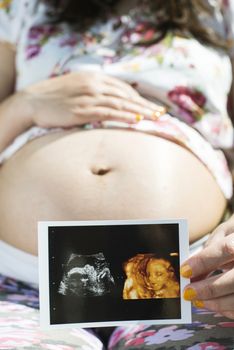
column 86, row 275
column 148, row 277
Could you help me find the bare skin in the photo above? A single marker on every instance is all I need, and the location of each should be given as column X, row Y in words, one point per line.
column 104, row 174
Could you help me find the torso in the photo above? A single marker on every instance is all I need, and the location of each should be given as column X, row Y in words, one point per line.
column 104, row 174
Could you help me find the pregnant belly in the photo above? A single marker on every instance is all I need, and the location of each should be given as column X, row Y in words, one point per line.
column 104, row 174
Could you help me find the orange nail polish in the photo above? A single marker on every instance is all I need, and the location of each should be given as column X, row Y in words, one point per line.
column 159, row 112
column 162, row 109
column 199, row 304
column 139, row 117
column 156, row 115
column 190, row 294
column 186, row 271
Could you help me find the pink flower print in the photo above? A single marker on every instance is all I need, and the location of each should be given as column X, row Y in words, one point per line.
column 140, row 27
column 135, row 342
column 189, row 101
column 207, row 346
column 36, row 32
column 13, row 339
column 225, row 3
column 168, row 333
column 125, row 333
column 116, row 337
column 139, row 338
column 195, row 95
column 143, row 31
column 149, row 34
column 32, row 51
column 71, row 41
column 38, row 36
column 41, row 32
column 226, row 324
column 186, row 116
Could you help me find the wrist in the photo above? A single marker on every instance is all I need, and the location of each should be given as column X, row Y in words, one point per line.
column 15, row 118
column 21, row 103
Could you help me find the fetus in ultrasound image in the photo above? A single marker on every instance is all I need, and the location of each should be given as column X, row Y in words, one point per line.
column 86, row 275
column 149, row 277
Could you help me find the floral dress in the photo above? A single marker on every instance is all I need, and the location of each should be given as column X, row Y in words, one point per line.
column 191, row 79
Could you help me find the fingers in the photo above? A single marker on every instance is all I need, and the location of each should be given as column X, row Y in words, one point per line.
column 87, row 83
column 215, row 293
column 210, row 258
column 116, row 103
column 221, row 231
column 92, row 114
column 132, row 94
column 112, row 91
column 211, row 288
column 158, row 110
column 227, row 266
column 129, row 90
column 102, row 84
column 85, row 97
column 222, row 304
column 228, row 314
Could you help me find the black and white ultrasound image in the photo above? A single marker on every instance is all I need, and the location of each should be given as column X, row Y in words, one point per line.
column 86, row 276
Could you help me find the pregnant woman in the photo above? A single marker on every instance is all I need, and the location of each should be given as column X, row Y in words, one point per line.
column 111, row 110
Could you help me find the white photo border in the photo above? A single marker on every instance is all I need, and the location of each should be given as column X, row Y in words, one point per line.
column 43, row 254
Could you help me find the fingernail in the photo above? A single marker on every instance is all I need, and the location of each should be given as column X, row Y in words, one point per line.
column 198, row 304
column 156, row 115
column 139, row 117
column 186, row 271
column 162, row 109
column 190, row 294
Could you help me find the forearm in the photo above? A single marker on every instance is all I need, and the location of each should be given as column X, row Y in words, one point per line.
column 15, row 118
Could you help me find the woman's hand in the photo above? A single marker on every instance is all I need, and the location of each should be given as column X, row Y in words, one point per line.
column 84, row 97
column 214, row 292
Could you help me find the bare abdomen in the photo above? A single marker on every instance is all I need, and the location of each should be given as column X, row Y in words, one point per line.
column 104, row 174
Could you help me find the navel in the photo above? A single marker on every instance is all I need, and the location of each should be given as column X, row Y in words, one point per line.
column 100, row 170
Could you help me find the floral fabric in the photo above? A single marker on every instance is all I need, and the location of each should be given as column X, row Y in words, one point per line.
column 19, row 329
column 209, row 331
column 19, row 323
column 191, row 79
column 18, row 292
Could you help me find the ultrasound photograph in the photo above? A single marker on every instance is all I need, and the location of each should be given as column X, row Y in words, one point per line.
column 105, row 273
column 148, row 277
column 86, row 275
